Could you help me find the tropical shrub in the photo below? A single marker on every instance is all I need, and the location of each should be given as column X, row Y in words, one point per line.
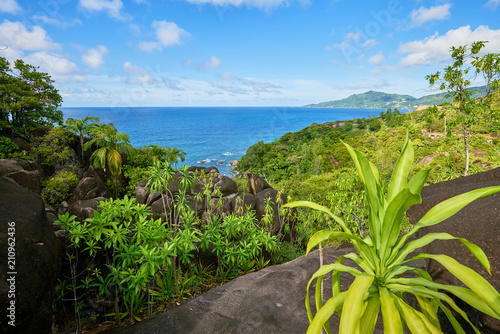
column 53, row 149
column 58, row 187
column 7, row 147
column 383, row 257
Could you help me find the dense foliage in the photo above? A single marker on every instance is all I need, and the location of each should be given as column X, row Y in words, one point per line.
column 384, row 257
column 28, row 99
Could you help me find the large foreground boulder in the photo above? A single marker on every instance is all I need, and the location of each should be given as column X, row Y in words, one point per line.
column 479, row 222
column 268, row 301
column 27, row 288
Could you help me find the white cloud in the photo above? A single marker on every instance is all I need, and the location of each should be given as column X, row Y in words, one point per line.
column 260, row 4
column 377, row 59
column 9, row 6
column 93, row 58
column 369, row 43
column 58, row 22
column 493, row 4
column 16, row 35
column 214, row 62
column 57, row 66
column 137, row 76
column 149, row 46
column 167, row 34
column 354, row 35
column 436, row 49
column 111, row 7
column 423, row 15
column 244, row 85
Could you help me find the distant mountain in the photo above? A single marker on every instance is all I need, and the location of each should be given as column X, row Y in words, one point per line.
column 374, row 99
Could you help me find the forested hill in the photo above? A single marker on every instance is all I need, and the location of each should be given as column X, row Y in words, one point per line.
column 374, row 99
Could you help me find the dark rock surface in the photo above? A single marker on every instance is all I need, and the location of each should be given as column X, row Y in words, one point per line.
column 256, row 184
column 27, row 174
column 226, row 186
column 85, row 208
column 268, row 301
column 141, row 192
column 243, row 201
column 479, row 222
column 89, row 187
column 37, row 260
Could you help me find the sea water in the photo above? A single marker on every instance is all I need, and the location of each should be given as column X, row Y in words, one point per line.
column 213, row 136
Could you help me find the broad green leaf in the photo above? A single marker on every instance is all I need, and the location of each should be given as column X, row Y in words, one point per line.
column 415, row 320
column 363, row 249
column 429, row 309
column 475, row 282
column 318, row 296
column 456, row 325
column 325, row 313
column 430, row 237
column 428, row 293
column 318, row 207
column 322, row 271
column 393, row 218
column 370, row 315
column 354, row 304
column 390, row 314
column 452, row 205
column 417, row 182
column 446, row 209
column 399, row 176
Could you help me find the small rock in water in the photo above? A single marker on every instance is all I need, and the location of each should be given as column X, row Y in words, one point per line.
column 202, row 162
column 220, row 163
column 228, row 153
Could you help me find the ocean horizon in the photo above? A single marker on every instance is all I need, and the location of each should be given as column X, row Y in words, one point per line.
column 212, row 136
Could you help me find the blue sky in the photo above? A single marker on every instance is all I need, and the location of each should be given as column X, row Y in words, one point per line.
column 239, row 52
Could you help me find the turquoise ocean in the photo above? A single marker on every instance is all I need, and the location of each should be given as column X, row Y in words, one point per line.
column 213, row 134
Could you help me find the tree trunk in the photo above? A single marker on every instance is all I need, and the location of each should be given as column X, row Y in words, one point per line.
column 466, row 144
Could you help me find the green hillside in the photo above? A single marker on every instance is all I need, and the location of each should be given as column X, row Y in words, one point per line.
column 373, row 99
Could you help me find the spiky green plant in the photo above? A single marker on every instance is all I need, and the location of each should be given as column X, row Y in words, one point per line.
column 383, row 257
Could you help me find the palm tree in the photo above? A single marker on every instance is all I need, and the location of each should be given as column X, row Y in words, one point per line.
column 158, row 153
column 176, row 154
column 111, row 146
column 81, row 127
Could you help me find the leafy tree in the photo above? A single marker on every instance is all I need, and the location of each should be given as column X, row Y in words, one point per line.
column 81, row 127
column 455, row 80
column 7, row 147
column 28, row 99
column 111, row 146
column 489, row 66
column 175, row 154
column 53, row 149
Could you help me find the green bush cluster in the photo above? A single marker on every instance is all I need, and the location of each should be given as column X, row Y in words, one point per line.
column 156, row 259
column 58, row 187
column 7, row 148
column 53, row 149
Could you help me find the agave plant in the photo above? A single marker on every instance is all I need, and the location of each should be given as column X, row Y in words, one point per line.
column 384, row 256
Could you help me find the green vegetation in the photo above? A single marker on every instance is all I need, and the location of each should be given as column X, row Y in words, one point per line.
column 28, row 99
column 81, row 127
column 7, row 147
column 111, row 145
column 383, row 257
column 154, row 259
column 374, row 99
column 53, row 150
column 58, row 187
